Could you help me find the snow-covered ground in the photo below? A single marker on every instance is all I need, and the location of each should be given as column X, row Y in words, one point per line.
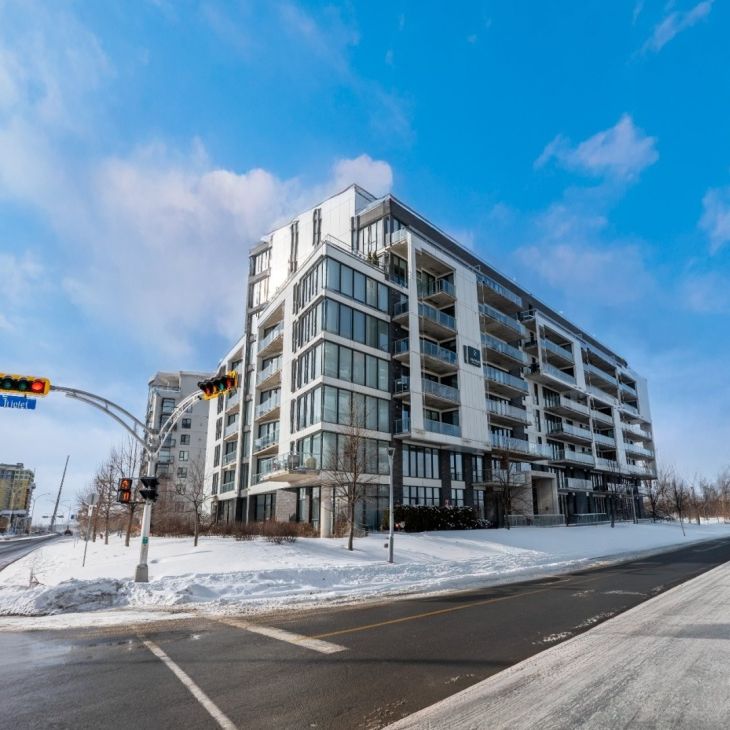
column 223, row 575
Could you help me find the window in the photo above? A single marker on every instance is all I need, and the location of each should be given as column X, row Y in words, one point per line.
column 184, row 439
column 183, row 455
column 182, row 472
column 456, row 466
column 356, row 285
column 419, row 461
column 186, row 423
column 217, row 455
column 215, row 483
column 355, row 367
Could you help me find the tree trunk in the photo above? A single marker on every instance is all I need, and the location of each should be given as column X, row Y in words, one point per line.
column 106, row 528
column 352, row 526
column 96, row 517
column 613, row 510
column 197, row 529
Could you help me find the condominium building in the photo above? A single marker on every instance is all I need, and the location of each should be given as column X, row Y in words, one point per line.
column 16, row 488
column 362, row 306
column 182, row 456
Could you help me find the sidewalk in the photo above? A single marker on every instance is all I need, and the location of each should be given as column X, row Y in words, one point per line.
column 664, row 663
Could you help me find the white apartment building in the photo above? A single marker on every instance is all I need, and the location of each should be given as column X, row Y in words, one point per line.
column 362, row 305
column 184, row 450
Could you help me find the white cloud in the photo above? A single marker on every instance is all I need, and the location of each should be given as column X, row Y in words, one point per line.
column 619, row 153
column 375, row 176
column 674, row 23
column 715, row 220
column 707, row 293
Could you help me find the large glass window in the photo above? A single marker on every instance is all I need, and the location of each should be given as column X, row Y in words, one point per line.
column 354, row 366
column 356, row 285
column 419, row 461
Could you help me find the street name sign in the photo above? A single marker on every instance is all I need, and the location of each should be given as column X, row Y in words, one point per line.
column 17, row 401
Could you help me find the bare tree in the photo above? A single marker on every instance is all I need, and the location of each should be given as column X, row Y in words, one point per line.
column 105, row 481
column 127, row 462
column 510, row 482
column 656, row 493
column 346, row 470
column 613, row 483
column 192, row 490
column 678, row 495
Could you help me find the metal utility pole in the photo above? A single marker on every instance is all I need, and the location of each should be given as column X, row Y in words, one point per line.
column 141, row 574
column 58, row 496
column 391, row 516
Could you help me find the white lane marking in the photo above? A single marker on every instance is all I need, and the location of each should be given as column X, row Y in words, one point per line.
column 323, row 647
column 707, row 549
column 195, row 691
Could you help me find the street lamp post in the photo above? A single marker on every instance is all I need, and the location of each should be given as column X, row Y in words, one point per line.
column 391, row 516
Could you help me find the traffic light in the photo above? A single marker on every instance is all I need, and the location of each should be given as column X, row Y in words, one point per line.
column 124, row 491
column 149, row 488
column 24, row 385
column 213, row 387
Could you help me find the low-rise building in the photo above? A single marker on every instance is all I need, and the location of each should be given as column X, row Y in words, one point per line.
column 16, row 488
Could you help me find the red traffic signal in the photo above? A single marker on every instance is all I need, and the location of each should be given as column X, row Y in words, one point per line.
column 213, row 387
column 124, row 490
column 24, row 385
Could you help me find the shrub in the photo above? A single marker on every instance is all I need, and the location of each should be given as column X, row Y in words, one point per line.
column 425, row 518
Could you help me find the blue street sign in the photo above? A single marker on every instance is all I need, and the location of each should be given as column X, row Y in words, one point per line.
column 17, row 401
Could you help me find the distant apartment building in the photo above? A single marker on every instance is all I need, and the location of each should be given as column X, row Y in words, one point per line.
column 182, row 456
column 16, row 489
column 361, row 305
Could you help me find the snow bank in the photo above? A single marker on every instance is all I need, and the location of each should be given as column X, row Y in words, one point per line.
column 223, row 575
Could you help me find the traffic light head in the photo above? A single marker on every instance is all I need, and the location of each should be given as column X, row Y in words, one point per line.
column 149, row 488
column 124, row 491
column 24, row 385
column 213, row 387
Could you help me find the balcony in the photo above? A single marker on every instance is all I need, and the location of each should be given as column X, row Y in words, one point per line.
column 501, row 382
column 518, row 447
column 604, row 440
column 401, row 310
column 435, row 323
column 229, row 457
column 504, row 412
column 595, row 374
column 231, row 430
column 571, row 434
column 264, row 443
column 633, row 410
column 566, row 456
column 608, row 465
column 446, row 429
column 233, row 401
column 580, row 485
column 554, row 377
column 515, row 477
column 564, row 406
column 272, row 343
column 438, row 394
column 636, row 431
column 601, row 394
column 632, row 448
column 402, row 425
column 268, row 410
column 441, row 292
column 626, row 388
column 641, row 470
column 551, row 348
column 437, row 358
column 494, row 292
column 270, row 376
column 602, row 417
column 496, row 322
column 292, row 468
column 500, row 353
column 402, row 386
column 401, row 350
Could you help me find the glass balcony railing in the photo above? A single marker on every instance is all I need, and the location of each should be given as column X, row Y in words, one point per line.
column 497, row 345
column 549, row 369
column 604, row 440
column 435, row 315
column 606, row 464
column 271, row 369
column 400, row 307
column 440, row 286
column 489, row 311
column 630, row 409
column 447, row 429
column 402, row 425
column 400, row 346
column 628, row 388
column 497, row 376
column 229, row 457
column 600, row 393
column 602, row 417
column 593, row 370
column 519, row 446
column 263, row 442
column 579, row 484
column 278, row 331
column 556, row 349
column 267, row 406
column 567, row 403
column 440, row 353
column 499, row 289
column 447, row 392
column 569, row 430
column 577, row 457
column 505, row 409
column 402, row 385
column 231, row 428
column 636, row 449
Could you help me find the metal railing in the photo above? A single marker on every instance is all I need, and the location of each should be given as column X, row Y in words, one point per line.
column 440, row 286
column 498, row 376
column 489, row 311
column 580, row 485
column 447, row 429
column 590, row 518
column 536, row 520
column 497, row 345
column 436, row 315
column 442, row 391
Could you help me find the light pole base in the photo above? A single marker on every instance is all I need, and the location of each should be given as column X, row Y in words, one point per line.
column 141, row 575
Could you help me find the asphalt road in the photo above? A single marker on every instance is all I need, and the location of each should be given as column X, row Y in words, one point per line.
column 358, row 667
column 15, row 548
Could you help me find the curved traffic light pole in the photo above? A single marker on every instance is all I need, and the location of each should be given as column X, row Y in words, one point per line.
column 151, row 443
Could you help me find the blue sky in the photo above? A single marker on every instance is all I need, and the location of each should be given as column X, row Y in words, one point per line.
column 581, row 147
